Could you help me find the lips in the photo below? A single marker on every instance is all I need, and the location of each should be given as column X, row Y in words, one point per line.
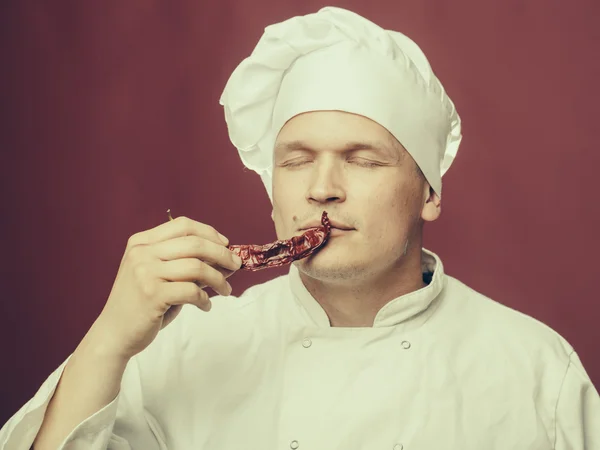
column 334, row 225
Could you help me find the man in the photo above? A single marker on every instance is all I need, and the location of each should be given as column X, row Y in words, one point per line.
column 367, row 344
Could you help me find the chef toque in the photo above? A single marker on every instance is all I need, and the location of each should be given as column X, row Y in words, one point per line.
column 337, row 60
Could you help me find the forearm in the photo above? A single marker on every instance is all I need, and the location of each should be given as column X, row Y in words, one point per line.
column 90, row 381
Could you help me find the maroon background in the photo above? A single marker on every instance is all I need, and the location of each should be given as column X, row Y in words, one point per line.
column 110, row 116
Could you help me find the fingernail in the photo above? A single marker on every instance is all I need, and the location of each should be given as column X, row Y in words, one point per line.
column 237, row 260
column 229, row 289
column 224, row 239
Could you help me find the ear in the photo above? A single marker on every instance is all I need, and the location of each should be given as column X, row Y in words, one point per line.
column 432, row 207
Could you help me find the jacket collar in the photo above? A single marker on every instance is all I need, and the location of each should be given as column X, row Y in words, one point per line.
column 410, row 310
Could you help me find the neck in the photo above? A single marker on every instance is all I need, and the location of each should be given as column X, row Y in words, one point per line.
column 357, row 304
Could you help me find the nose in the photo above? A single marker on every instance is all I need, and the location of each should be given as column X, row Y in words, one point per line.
column 327, row 183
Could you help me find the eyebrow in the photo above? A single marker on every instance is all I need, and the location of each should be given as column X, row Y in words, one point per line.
column 348, row 147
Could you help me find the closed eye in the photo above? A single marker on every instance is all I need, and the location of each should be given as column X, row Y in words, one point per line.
column 355, row 161
column 364, row 162
column 296, row 163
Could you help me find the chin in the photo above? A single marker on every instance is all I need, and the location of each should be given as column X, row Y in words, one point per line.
column 327, row 266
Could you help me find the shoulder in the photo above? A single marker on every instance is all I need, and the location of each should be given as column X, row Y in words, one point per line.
column 495, row 321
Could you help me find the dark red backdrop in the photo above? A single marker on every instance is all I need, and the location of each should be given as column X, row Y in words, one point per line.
column 110, row 116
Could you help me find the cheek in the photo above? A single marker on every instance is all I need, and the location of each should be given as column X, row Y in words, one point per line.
column 391, row 210
column 382, row 196
column 282, row 199
column 288, row 191
column 285, row 205
column 284, row 185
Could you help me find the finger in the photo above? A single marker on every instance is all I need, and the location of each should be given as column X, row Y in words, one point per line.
column 182, row 293
column 197, row 247
column 181, row 226
column 194, row 270
column 225, row 272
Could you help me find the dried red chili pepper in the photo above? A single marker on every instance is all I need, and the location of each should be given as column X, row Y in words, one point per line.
column 280, row 253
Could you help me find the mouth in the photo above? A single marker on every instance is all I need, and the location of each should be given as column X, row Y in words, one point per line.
column 335, row 231
column 334, row 226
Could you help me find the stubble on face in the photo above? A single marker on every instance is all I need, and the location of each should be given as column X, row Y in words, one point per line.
column 386, row 208
column 381, row 253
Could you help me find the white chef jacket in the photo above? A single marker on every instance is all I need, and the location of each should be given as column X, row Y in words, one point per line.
column 443, row 367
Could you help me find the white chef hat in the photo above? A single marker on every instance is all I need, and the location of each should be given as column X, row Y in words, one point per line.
column 337, row 60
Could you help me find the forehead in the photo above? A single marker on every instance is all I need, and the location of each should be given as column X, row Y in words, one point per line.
column 334, row 130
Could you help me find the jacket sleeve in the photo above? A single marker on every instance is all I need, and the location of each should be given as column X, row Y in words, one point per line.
column 121, row 425
column 127, row 423
column 577, row 410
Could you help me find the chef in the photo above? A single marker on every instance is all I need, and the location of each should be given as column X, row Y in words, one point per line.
column 366, row 344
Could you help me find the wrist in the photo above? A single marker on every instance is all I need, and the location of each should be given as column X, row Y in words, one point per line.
column 101, row 345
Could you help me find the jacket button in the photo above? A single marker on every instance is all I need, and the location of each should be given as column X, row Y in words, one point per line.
column 405, row 345
column 294, row 445
column 398, row 447
column 306, row 342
